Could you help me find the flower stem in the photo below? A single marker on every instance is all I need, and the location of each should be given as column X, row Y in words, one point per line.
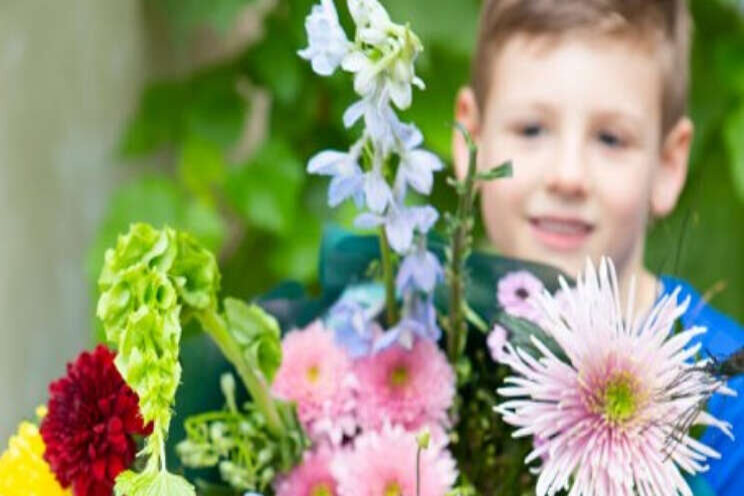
column 461, row 239
column 386, row 258
column 252, row 378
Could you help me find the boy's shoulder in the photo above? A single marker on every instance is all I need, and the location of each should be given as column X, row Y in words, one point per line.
column 724, row 335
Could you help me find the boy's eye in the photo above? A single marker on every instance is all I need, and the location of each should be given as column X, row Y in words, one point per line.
column 531, row 130
column 610, row 139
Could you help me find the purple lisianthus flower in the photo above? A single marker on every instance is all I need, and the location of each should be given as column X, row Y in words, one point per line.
column 400, row 221
column 515, row 294
column 347, row 177
column 419, row 320
column 496, row 342
column 419, row 270
column 352, row 318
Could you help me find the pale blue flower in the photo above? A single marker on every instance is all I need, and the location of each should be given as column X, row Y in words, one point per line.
column 417, row 167
column 420, row 270
column 327, row 42
column 419, row 320
column 347, row 181
column 352, row 318
column 400, row 222
column 377, row 193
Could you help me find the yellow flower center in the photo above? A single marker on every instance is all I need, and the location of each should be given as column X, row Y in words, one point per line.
column 393, row 489
column 313, row 374
column 321, row 489
column 619, row 399
column 399, row 376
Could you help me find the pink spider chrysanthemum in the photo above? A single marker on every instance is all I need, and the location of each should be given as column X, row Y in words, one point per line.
column 384, row 463
column 318, row 376
column 310, row 478
column 516, row 292
column 413, row 388
column 613, row 416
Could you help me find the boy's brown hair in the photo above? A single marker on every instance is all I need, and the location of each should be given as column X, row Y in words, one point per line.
column 663, row 23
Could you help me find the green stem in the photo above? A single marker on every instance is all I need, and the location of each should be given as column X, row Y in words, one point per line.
column 386, row 258
column 459, row 248
column 253, row 379
column 418, row 471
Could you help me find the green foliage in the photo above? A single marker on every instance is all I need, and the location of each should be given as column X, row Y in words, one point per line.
column 147, row 280
column 236, row 441
column 152, row 484
column 257, row 333
column 703, row 239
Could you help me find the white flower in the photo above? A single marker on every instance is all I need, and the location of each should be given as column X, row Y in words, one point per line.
column 328, row 44
column 383, row 59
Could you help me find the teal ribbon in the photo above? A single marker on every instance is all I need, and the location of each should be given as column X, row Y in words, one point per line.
column 345, row 259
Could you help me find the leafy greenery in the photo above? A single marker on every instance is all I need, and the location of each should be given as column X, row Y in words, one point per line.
column 151, row 282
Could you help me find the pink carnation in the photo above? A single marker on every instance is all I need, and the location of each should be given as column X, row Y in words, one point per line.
column 385, row 463
column 516, row 292
column 409, row 387
column 317, row 375
column 310, row 478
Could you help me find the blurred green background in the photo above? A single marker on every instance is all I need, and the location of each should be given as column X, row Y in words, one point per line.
column 201, row 115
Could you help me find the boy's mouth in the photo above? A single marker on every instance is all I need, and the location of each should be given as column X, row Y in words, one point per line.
column 561, row 233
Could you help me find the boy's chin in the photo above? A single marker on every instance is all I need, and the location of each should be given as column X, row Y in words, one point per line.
column 571, row 263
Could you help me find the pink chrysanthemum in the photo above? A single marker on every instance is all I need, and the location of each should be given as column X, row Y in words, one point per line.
column 613, row 416
column 311, row 478
column 516, row 292
column 384, row 463
column 318, row 376
column 412, row 387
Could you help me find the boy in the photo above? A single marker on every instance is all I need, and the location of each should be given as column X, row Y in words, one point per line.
column 588, row 99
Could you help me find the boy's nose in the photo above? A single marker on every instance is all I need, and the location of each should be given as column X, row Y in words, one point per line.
column 568, row 175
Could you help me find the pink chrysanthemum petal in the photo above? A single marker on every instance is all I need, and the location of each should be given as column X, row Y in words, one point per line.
column 310, row 478
column 384, row 462
column 412, row 388
column 614, row 417
column 318, row 376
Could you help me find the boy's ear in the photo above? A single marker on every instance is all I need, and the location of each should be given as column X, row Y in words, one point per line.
column 672, row 173
column 467, row 114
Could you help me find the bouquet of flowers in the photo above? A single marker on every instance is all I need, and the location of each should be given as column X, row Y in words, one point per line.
column 423, row 369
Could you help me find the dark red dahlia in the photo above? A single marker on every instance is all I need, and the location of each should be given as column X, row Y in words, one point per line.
column 89, row 428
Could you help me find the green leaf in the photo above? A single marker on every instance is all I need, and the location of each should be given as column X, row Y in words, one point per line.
column 257, row 333
column 501, row 171
column 734, row 140
column 266, row 190
column 152, row 483
column 201, row 167
column 206, row 105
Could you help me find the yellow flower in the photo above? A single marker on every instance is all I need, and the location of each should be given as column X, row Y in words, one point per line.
column 23, row 471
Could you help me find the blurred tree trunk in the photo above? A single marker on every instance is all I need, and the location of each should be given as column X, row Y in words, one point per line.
column 70, row 74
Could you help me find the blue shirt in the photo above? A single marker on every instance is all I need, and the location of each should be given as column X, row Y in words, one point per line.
column 724, row 337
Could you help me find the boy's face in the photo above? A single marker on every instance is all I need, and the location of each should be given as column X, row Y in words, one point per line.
column 580, row 118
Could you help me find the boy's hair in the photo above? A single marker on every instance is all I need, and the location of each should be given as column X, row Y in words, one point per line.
column 664, row 23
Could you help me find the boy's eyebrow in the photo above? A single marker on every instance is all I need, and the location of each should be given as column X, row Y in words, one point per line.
column 626, row 116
